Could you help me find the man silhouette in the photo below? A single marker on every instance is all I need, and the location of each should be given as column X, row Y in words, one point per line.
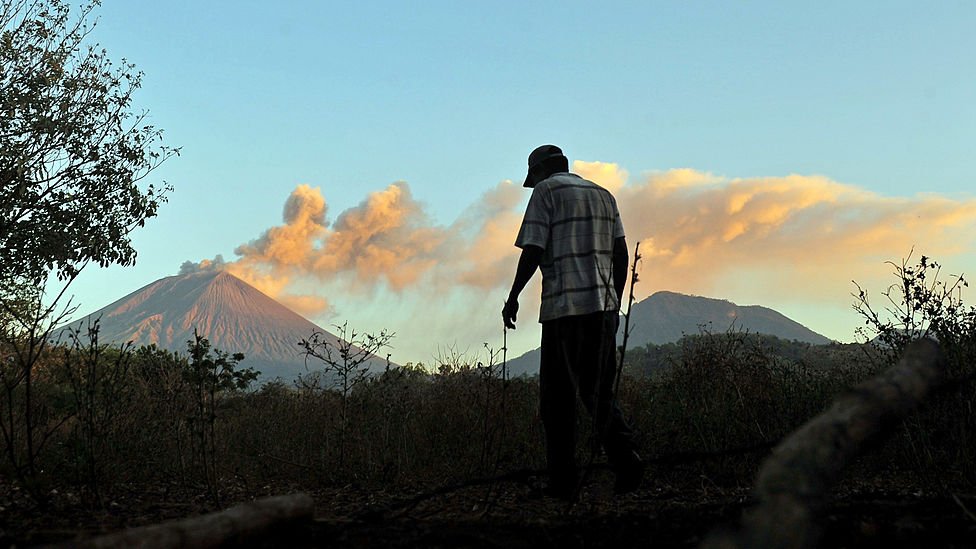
column 572, row 233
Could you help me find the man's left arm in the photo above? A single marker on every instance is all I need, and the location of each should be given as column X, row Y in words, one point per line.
column 621, row 259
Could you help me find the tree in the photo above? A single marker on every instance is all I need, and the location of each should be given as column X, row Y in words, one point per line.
column 72, row 151
column 72, row 156
column 211, row 373
column 346, row 362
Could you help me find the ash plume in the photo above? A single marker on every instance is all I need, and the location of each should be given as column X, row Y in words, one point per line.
column 797, row 237
column 206, row 265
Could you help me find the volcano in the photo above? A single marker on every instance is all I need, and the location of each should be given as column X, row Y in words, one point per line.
column 235, row 316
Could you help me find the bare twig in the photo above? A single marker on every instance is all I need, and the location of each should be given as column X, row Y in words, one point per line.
column 630, row 307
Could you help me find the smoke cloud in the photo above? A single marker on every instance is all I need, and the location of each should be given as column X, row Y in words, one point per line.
column 386, row 239
column 797, row 237
column 206, row 265
column 485, row 236
column 292, row 244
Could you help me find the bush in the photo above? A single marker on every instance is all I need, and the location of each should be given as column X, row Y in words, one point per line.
column 940, row 438
column 720, row 401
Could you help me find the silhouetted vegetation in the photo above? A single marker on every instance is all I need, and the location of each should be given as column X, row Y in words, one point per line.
column 72, row 147
column 708, row 406
column 939, row 442
column 707, row 409
column 73, row 151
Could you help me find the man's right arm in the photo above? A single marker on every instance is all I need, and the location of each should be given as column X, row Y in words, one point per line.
column 621, row 259
column 527, row 266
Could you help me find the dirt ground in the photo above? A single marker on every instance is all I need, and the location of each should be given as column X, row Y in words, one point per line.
column 508, row 514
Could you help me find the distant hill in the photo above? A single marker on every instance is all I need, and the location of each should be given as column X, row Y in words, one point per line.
column 232, row 314
column 666, row 317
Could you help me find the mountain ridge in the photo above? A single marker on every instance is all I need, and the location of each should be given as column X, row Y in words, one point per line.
column 666, row 317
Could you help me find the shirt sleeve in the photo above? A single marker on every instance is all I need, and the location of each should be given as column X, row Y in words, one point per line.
column 535, row 225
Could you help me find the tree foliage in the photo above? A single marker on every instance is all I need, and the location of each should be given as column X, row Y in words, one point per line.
column 920, row 304
column 72, row 149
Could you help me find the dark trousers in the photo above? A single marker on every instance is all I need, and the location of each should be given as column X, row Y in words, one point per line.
column 578, row 358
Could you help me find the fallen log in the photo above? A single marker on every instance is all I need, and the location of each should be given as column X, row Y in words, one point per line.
column 793, row 482
column 236, row 526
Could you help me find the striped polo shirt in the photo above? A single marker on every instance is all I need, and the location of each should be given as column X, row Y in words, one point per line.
column 575, row 222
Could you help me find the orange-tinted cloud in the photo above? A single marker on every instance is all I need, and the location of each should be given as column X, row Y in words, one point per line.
column 485, row 235
column 755, row 240
column 293, row 243
column 277, row 286
column 388, row 237
column 795, row 233
column 606, row 174
column 307, row 305
column 388, row 240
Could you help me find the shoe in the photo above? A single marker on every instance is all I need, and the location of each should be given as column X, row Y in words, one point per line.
column 629, row 475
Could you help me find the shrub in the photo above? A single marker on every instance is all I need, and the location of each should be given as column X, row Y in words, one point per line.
column 942, row 436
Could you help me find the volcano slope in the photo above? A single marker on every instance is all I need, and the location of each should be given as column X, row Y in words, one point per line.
column 235, row 316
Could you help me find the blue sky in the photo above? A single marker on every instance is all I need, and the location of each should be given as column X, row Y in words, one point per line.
column 449, row 97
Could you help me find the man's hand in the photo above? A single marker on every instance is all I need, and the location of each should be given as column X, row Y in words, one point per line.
column 509, row 312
